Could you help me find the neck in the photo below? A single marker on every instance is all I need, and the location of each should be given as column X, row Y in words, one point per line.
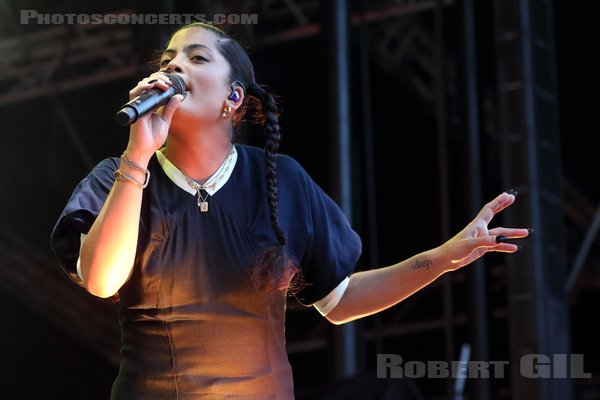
column 198, row 155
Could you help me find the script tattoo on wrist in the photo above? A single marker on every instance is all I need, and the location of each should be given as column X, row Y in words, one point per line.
column 422, row 264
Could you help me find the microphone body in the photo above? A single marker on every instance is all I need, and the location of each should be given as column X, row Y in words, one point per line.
column 149, row 101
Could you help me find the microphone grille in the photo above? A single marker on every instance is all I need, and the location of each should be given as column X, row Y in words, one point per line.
column 178, row 83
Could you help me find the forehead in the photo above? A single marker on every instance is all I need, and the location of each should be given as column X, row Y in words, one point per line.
column 193, row 35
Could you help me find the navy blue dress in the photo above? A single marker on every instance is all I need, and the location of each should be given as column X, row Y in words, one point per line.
column 192, row 324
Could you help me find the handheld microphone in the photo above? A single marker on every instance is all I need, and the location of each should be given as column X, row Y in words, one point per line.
column 149, row 101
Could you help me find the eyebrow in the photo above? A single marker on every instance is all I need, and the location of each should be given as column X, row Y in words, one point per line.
column 189, row 47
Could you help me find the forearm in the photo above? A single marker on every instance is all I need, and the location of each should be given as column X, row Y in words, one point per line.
column 375, row 290
column 371, row 291
column 108, row 252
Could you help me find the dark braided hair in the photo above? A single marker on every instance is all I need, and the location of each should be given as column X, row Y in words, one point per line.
column 272, row 270
column 273, row 137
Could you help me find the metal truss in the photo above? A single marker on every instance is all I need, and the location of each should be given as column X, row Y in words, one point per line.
column 528, row 103
column 65, row 57
column 59, row 58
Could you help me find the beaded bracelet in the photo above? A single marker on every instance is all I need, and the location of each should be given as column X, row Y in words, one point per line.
column 119, row 176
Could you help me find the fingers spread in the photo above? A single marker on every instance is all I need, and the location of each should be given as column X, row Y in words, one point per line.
column 495, row 243
column 502, row 201
column 510, row 233
column 506, row 248
column 491, row 243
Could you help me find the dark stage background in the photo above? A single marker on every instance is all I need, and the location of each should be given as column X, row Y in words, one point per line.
column 61, row 85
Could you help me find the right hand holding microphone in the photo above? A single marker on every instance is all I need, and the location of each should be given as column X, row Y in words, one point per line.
column 149, row 131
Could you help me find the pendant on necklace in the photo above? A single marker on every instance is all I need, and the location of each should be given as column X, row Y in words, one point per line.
column 203, row 206
column 202, row 203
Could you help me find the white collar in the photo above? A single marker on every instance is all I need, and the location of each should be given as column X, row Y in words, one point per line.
column 178, row 178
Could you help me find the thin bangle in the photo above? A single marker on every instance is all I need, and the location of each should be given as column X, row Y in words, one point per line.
column 120, row 176
column 133, row 164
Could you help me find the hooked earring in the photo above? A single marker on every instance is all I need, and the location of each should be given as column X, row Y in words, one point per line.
column 226, row 112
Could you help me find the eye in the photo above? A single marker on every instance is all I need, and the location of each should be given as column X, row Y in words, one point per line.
column 199, row 58
column 164, row 62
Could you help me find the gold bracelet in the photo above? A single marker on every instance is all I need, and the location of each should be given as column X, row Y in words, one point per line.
column 119, row 176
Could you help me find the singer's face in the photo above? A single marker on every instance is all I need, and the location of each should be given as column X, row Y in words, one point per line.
column 192, row 53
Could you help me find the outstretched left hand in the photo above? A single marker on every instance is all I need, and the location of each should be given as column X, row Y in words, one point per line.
column 476, row 239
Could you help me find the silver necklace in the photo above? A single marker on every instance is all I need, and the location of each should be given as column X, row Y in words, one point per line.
column 211, row 183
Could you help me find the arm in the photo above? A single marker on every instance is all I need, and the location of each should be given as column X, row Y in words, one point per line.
column 108, row 253
column 375, row 290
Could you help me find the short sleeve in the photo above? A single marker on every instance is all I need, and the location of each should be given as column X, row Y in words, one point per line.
column 79, row 214
column 330, row 249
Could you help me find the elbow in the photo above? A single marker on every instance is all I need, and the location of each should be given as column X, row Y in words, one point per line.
column 335, row 321
column 104, row 294
column 100, row 290
column 103, row 278
column 100, row 283
column 339, row 321
column 337, row 317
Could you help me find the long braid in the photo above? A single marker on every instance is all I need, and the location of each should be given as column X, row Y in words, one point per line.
column 273, row 138
column 274, row 271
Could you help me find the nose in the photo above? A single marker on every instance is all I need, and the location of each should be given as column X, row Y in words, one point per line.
column 173, row 66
